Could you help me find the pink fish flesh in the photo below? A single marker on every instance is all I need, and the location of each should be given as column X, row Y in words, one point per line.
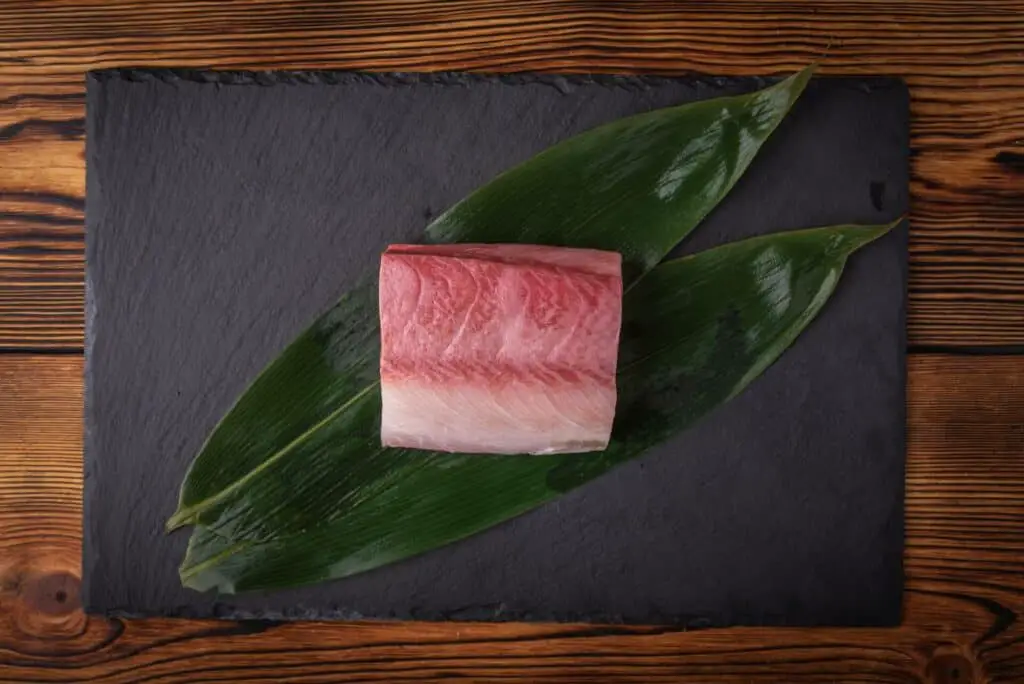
column 500, row 349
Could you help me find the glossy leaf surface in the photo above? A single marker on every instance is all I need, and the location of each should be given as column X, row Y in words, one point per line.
column 636, row 186
column 696, row 331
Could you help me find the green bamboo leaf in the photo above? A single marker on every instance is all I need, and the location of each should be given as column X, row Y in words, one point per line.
column 696, row 331
column 637, row 186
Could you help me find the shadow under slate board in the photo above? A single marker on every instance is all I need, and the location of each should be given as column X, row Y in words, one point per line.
column 226, row 210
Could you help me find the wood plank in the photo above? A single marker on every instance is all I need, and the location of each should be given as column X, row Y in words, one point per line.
column 963, row 61
column 965, row 525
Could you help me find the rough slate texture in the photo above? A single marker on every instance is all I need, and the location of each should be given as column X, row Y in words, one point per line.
column 225, row 211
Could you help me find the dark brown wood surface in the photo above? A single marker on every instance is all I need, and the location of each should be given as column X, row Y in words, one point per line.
column 964, row 62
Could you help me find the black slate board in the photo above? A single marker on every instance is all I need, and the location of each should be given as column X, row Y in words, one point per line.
column 225, row 210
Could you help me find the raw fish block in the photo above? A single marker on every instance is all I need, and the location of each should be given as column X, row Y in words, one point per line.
column 500, row 349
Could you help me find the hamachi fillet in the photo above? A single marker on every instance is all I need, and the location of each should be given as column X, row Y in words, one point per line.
column 499, row 349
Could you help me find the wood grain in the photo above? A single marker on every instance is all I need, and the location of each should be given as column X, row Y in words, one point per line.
column 963, row 61
column 965, row 518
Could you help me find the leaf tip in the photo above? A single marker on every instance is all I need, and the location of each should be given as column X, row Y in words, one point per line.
column 886, row 228
column 781, row 96
column 859, row 236
column 796, row 83
column 179, row 519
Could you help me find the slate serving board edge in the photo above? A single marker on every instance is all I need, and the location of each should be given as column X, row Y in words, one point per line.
column 562, row 82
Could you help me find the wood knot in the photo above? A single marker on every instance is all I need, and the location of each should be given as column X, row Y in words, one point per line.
column 40, row 598
column 54, row 594
column 949, row 666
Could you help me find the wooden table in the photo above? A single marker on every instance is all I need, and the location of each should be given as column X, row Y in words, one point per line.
column 964, row 62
